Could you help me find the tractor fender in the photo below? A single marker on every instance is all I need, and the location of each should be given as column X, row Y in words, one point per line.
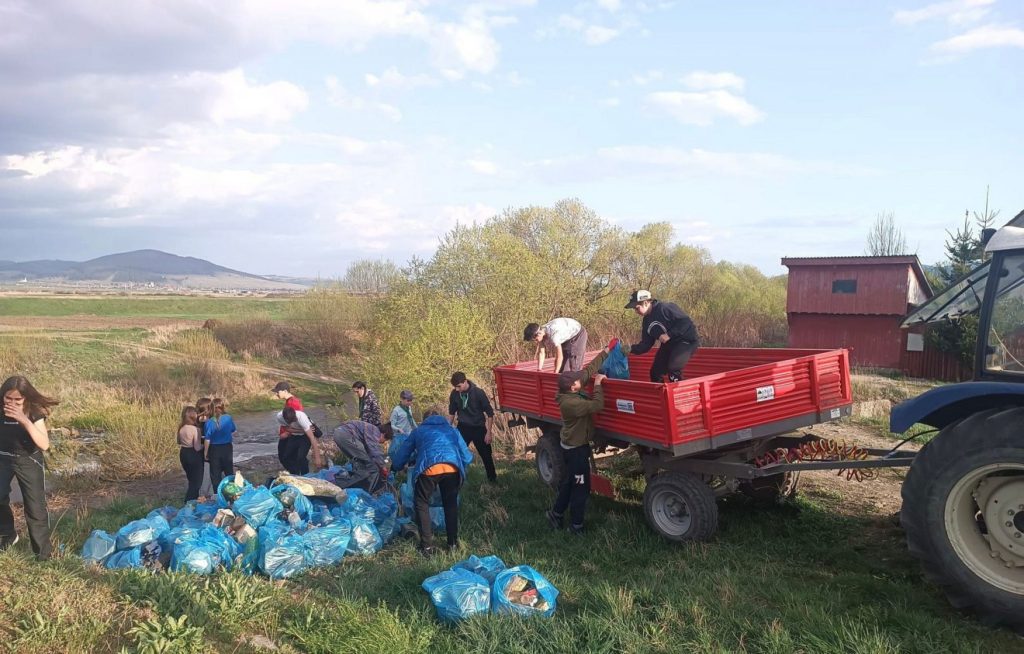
column 946, row 404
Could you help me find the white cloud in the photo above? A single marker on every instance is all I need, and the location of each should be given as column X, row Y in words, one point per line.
column 465, row 46
column 611, row 102
column 599, row 35
column 954, row 12
column 393, row 79
column 704, row 108
column 702, row 81
column 237, row 99
column 610, row 5
column 571, row 23
column 483, row 166
column 979, row 38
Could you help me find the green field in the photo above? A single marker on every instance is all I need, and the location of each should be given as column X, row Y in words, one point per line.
column 795, row 578
column 184, row 307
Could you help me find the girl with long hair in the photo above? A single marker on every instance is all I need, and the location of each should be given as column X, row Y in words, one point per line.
column 23, row 438
column 190, row 455
column 219, row 430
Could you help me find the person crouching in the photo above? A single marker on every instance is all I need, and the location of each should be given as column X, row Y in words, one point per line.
column 361, row 443
column 441, row 460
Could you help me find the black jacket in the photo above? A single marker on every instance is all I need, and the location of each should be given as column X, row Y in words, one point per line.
column 665, row 318
column 472, row 411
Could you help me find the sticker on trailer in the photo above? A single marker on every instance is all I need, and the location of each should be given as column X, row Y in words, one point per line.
column 835, row 413
column 765, row 393
column 625, row 406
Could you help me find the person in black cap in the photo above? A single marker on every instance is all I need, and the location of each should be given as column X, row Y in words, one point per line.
column 667, row 324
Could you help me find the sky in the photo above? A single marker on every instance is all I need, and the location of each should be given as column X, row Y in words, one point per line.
column 295, row 137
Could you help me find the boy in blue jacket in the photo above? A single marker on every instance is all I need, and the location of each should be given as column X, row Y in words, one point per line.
column 441, row 459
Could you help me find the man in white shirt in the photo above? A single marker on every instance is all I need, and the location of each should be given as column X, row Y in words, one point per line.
column 566, row 335
column 295, row 449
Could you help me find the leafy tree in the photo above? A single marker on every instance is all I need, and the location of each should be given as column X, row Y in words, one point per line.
column 370, row 276
column 885, row 238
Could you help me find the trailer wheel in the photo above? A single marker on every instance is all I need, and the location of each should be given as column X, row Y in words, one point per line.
column 963, row 513
column 550, row 464
column 680, row 506
column 771, row 489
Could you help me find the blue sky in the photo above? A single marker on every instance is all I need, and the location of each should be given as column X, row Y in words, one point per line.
column 294, row 138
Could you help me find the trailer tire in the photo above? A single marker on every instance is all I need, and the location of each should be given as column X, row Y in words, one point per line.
column 548, row 457
column 958, row 483
column 772, row 489
column 680, row 507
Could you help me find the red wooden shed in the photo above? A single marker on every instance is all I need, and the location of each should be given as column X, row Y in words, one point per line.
column 856, row 303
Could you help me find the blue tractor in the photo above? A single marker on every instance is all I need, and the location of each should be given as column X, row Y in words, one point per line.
column 963, row 497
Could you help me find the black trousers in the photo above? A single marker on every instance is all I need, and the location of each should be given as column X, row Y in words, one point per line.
column 222, row 463
column 449, row 484
column 28, row 469
column 293, row 453
column 192, row 463
column 574, row 489
column 474, row 435
column 670, row 359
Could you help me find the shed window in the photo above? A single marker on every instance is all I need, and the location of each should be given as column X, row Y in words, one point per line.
column 844, row 286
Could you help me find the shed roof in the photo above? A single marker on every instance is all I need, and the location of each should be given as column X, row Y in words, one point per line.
column 900, row 259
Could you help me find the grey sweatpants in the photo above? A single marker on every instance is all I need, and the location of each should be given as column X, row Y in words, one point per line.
column 573, row 351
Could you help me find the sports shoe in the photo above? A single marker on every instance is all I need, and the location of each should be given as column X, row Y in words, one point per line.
column 554, row 519
column 576, row 530
column 426, row 552
column 7, row 541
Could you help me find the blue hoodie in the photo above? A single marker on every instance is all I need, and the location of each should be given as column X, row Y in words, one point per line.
column 435, row 441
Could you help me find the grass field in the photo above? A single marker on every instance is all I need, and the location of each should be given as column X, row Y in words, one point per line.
column 806, row 577
column 183, row 307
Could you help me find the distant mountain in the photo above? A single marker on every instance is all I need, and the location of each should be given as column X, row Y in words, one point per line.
column 141, row 267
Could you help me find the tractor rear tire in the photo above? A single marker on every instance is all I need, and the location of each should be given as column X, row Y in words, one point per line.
column 680, row 506
column 548, row 457
column 963, row 514
column 773, row 489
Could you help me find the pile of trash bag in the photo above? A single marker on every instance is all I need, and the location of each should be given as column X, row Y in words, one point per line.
column 485, row 585
column 278, row 531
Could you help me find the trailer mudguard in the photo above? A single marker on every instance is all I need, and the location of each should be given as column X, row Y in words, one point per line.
column 945, row 404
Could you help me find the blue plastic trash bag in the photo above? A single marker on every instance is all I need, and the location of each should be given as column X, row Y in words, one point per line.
column 140, row 532
column 257, row 507
column 98, row 546
column 437, row 522
column 178, row 535
column 523, row 591
column 227, row 548
column 207, row 511
column 300, row 502
column 458, row 594
column 187, row 513
column 168, row 513
column 327, row 545
column 396, row 443
column 386, row 509
column 222, row 501
column 487, row 567
column 192, row 556
column 129, row 558
column 360, row 504
column 616, row 365
column 281, row 552
column 365, row 538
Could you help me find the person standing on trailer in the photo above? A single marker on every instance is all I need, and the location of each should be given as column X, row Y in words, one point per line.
column 567, row 336
column 667, row 324
column 578, row 410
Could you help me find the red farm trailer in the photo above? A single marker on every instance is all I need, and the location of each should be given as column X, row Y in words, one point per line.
column 727, row 427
